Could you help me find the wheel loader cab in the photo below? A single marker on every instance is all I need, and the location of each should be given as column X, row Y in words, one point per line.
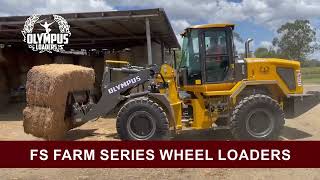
column 207, row 55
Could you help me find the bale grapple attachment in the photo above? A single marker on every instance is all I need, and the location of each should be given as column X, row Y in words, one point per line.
column 59, row 96
column 47, row 90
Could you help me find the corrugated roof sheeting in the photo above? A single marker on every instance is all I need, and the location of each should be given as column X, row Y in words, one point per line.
column 115, row 29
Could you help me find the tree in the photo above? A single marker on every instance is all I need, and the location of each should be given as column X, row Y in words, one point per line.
column 237, row 37
column 263, row 52
column 296, row 40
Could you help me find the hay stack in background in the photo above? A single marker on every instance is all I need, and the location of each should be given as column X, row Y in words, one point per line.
column 4, row 89
column 111, row 55
column 41, row 59
column 47, row 90
column 2, row 58
column 126, row 55
column 85, row 61
column 63, row 59
column 98, row 66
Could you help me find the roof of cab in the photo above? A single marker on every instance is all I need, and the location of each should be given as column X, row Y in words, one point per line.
column 203, row 26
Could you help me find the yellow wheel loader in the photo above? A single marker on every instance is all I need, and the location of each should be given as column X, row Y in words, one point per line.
column 211, row 89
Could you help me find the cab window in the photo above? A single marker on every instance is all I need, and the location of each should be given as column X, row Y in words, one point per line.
column 190, row 56
column 216, row 55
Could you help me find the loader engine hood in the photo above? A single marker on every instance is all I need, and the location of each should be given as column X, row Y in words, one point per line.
column 287, row 73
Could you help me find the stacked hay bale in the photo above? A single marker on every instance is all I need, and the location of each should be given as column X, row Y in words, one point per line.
column 139, row 56
column 47, row 90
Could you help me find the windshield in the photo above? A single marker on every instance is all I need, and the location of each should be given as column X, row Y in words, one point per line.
column 190, row 48
column 190, row 55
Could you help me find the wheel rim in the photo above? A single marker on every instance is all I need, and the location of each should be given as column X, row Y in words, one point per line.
column 141, row 125
column 259, row 123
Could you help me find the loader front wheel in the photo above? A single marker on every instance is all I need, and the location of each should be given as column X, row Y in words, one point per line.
column 257, row 117
column 142, row 119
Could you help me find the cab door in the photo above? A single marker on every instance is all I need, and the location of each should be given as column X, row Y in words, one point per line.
column 216, row 55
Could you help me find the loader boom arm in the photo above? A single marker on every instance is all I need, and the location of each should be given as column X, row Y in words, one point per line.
column 112, row 92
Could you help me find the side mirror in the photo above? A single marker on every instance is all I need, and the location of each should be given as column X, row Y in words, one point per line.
column 183, row 76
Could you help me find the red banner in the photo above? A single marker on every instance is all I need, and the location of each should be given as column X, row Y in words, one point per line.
column 162, row 154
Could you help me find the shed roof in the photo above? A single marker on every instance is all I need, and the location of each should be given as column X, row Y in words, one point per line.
column 110, row 30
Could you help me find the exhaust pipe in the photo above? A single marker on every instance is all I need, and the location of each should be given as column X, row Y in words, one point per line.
column 247, row 47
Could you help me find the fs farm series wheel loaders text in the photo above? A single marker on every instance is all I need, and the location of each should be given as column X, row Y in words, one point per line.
column 210, row 89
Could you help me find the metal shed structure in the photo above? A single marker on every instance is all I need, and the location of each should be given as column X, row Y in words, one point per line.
column 145, row 36
column 103, row 30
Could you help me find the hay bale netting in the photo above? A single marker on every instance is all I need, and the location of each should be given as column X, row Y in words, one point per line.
column 47, row 90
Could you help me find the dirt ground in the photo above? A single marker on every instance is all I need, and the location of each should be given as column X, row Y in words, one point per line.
column 305, row 127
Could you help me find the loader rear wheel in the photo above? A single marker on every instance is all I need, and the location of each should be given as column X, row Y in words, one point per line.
column 142, row 119
column 257, row 117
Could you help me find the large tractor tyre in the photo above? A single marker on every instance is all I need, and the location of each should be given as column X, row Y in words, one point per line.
column 142, row 119
column 257, row 117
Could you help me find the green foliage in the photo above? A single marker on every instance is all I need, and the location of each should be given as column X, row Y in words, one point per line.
column 267, row 53
column 178, row 57
column 296, row 40
column 311, row 63
column 311, row 75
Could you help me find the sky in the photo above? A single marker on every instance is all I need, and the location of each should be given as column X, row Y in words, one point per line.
column 257, row 19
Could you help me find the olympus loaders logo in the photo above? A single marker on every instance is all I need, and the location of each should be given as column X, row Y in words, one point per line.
column 124, row 85
column 44, row 39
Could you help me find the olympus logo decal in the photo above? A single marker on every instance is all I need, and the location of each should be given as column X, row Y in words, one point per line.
column 45, row 39
column 124, row 85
